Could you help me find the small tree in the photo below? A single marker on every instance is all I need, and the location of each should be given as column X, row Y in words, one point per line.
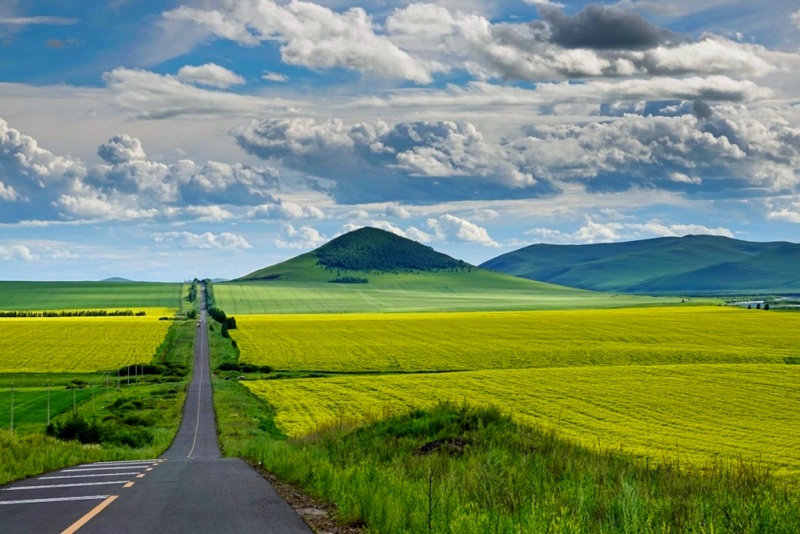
column 766, row 306
column 758, row 306
column 224, row 330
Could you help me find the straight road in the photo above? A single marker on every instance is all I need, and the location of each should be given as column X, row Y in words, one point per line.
column 190, row 488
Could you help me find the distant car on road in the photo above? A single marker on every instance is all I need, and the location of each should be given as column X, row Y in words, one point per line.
column 198, row 324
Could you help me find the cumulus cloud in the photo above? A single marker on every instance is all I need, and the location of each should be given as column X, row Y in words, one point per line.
column 451, row 228
column 121, row 149
column 205, row 241
column 285, row 211
column 736, row 150
column 37, row 184
column 309, row 35
column 796, row 18
column 302, row 238
column 7, row 193
column 16, row 252
column 414, row 161
column 596, row 232
column 209, row 74
column 397, row 211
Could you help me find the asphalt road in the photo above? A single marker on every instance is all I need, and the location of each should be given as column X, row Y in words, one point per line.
column 190, row 488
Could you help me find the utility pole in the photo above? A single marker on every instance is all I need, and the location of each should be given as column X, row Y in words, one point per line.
column 48, row 403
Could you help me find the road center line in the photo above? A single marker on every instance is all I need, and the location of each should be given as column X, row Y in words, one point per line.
column 93, row 512
column 77, row 485
column 90, row 476
column 57, row 499
column 199, row 398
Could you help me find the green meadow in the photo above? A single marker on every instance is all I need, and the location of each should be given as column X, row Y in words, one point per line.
column 87, row 295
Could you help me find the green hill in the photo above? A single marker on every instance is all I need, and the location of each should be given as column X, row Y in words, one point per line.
column 363, row 251
column 388, row 273
column 671, row 265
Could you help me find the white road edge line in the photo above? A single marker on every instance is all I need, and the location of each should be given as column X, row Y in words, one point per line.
column 58, row 499
column 78, row 485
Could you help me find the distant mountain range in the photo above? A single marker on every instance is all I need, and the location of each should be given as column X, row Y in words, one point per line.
column 695, row 264
column 116, row 279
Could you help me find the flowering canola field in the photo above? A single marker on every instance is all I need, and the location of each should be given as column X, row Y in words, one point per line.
column 517, row 340
column 80, row 344
column 688, row 413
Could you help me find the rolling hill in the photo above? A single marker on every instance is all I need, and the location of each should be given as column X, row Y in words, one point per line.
column 379, row 271
column 694, row 264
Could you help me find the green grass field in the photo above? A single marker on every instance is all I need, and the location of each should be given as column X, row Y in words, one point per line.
column 410, row 293
column 87, row 295
column 30, row 405
column 504, row 340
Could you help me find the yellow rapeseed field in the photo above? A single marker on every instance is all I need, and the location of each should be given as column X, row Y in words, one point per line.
column 508, row 340
column 80, row 344
column 686, row 413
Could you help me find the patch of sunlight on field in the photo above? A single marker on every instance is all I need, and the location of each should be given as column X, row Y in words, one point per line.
column 686, row 413
column 80, row 344
column 504, row 340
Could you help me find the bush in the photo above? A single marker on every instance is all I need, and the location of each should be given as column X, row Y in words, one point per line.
column 76, row 428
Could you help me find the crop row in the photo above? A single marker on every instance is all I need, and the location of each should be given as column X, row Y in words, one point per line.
column 78, row 344
column 506, row 340
column 688, row 413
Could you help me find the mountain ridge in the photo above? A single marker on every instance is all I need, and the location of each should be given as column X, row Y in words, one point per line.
column 700, row 264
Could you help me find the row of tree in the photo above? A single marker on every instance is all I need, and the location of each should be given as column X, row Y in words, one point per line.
column 73, row 313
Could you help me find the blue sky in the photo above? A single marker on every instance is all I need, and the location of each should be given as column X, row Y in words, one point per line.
column 167, row 140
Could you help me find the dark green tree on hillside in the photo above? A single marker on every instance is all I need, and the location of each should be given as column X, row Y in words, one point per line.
column 371, row 249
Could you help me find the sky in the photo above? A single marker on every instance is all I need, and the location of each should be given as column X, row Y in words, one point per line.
column 167, row 140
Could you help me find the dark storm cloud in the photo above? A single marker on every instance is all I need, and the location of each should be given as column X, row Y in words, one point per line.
column 602, row 28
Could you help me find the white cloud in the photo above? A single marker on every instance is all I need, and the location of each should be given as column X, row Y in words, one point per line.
column 796, row 18
column 286, row 211
column 274, row 77
column 407, row 160
column 8, row 193
column 152, row 96
column 121, row 149
column 205, row 241
column 310, row 35
column 302, row 238
column 209, row 213
column 16, row 252
column 451, row 228
column 211, row 75
column 25, row 21
column 596, row 232
column 398, row 211
column 128, row 186
column 543, row 3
